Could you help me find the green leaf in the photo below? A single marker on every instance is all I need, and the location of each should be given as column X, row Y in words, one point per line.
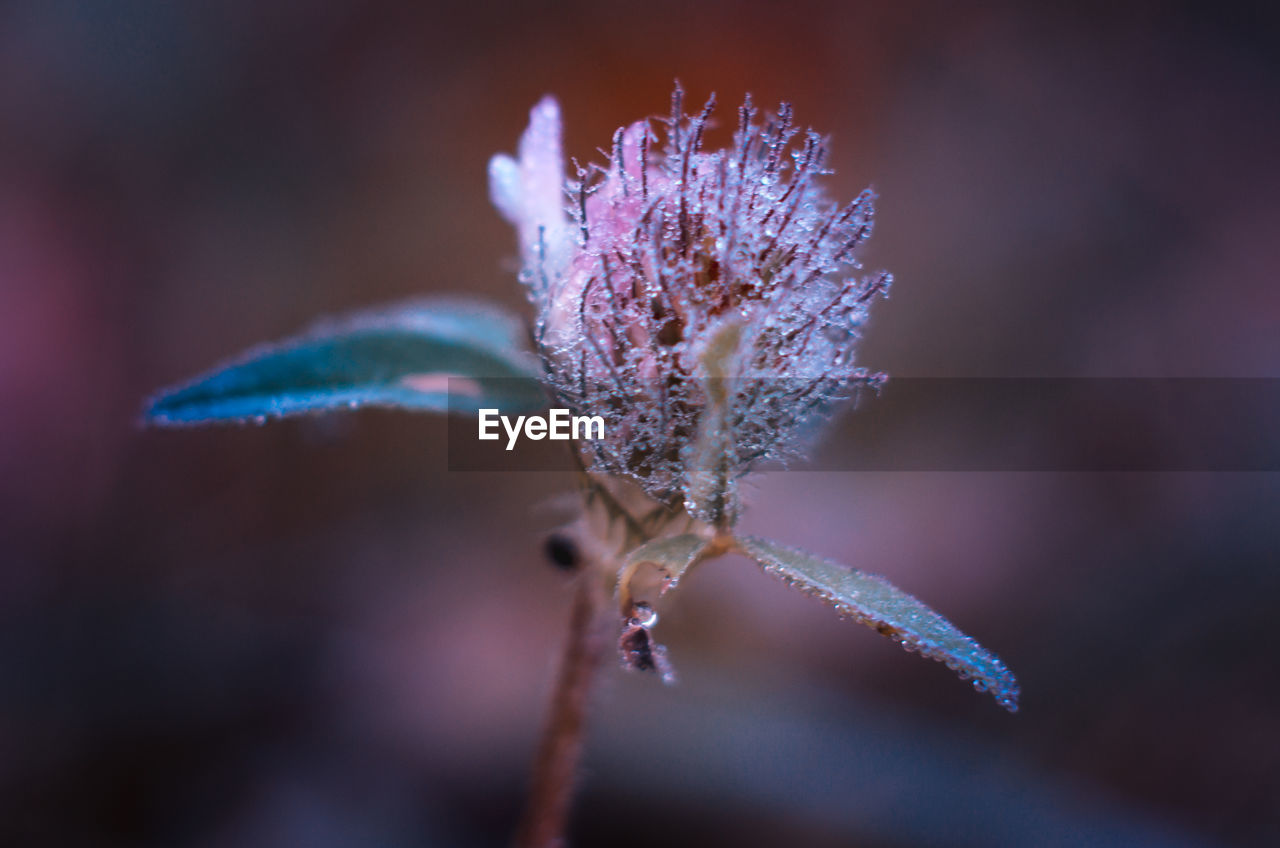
column 875, row 602
column 672, row 556
column 436, row 355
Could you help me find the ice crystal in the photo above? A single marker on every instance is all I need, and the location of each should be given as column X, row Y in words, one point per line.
column 702, row 302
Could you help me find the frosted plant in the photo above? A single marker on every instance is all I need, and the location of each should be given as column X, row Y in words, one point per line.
column 692, row 298
column 707, row 306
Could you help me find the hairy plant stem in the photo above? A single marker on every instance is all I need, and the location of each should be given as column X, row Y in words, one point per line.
column 555, row 767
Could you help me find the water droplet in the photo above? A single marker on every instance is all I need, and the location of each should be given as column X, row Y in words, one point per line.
column 643, row 615
column 835, row 334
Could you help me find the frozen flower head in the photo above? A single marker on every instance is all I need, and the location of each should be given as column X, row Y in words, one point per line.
column 701, row 302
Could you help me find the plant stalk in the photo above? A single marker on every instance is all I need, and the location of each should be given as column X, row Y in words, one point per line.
column 555, row 768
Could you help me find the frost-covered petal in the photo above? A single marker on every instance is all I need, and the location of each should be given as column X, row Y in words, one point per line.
column 529, row 190
column 504, row 187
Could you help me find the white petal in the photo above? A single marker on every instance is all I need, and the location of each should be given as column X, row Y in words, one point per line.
column 542, row 187
column 504, row 187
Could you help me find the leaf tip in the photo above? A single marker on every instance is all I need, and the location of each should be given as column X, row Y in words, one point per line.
column 873, row 601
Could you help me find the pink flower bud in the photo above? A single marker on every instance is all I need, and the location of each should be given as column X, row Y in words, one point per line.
column 698, row 301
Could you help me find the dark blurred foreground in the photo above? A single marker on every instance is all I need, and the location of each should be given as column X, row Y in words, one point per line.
column 313, row 634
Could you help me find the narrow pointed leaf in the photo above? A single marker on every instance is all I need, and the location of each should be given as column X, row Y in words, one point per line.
column 673, row 556
column 429, row 355
column 875, row 602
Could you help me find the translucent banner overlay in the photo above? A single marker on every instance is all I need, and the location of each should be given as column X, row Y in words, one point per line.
column 963, row 424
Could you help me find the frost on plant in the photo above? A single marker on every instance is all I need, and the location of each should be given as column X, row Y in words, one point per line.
column 705, row 303
column 699, row 300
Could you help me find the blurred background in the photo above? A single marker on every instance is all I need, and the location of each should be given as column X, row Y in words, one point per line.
column 312, row 634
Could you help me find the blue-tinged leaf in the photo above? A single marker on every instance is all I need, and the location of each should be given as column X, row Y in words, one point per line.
column 437, row 355
column 875, row 602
